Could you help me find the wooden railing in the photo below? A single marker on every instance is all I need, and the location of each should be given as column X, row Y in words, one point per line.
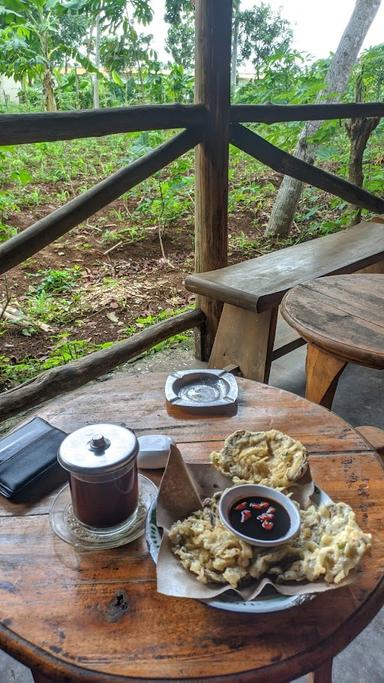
column 210, row 125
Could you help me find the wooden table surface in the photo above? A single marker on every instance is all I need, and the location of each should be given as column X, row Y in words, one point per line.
column 342, row 319
column 97, row 616
column 342, row 315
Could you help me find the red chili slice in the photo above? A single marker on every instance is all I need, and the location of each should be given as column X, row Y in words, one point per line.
column 266, row 516
column 245, row 514
column 241, row 506
column 267, row 525
column 258, row 506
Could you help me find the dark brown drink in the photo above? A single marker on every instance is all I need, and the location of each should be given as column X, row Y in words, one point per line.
column 106, row 503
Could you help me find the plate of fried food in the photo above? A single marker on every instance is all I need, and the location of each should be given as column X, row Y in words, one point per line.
column 199, row 556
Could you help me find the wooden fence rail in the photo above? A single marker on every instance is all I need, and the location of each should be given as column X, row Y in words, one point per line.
column 281, row 113
column 283, row 162
column 16, row 129
column 47, row 229
column 68, row 377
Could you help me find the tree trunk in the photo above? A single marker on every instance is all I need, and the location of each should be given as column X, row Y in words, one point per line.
column 235, row 44
column 49, row 93
column 359, row 131
column 96, row 98
column 340, row 67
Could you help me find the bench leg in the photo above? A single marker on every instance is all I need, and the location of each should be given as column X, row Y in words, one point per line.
column 323, row 674
column 374, row 268
column 323, row 371
column 245, row 339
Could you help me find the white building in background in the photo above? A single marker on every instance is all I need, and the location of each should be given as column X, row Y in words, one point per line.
column 9, row 90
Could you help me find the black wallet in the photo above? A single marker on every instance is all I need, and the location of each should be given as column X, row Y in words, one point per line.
column 28, row 459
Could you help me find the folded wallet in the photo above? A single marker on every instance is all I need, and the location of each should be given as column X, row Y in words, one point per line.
column 28, row 459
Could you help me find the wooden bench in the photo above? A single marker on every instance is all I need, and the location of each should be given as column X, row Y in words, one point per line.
column 252, row 291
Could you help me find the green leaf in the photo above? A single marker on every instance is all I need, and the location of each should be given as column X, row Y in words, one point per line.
column 116, row 79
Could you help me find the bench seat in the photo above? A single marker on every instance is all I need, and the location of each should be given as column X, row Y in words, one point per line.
column 252, row 291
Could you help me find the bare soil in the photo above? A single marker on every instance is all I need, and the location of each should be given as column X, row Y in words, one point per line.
column 118, row 282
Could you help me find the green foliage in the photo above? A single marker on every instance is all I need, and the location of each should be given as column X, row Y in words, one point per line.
column 63, row 351
column 180, row 42
column 262, row 33
column 57, row 281
column 142, row 323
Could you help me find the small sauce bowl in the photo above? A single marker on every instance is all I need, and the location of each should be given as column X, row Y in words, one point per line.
column 284, row 514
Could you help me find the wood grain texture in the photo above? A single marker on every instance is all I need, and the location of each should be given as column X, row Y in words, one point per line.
column 69, row 597
column 274, row 113
column 16, row 129
column 374, row 436
column 285, row 163
column 259, row 284
column 68, row 377
column 212, row 90
column 342, row 315
column 322, row 375
column 60, row 221
column 245, row 339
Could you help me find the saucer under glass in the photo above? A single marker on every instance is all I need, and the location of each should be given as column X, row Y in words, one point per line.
column 67, row 527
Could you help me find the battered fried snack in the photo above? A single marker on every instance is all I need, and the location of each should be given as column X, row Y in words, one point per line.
column 329, row 546
column 269, row 458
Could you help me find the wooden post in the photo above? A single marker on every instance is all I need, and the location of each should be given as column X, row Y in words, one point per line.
column 212, row 89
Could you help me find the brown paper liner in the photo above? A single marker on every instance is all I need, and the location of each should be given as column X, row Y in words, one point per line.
column 182, row 490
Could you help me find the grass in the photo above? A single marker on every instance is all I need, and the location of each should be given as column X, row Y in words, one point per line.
column 65, row 350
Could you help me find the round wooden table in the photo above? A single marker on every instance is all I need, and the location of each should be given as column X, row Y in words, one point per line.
column 97, row 617
column 342, row 319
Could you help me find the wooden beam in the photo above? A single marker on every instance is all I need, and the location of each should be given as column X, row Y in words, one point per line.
column 285, row 163
column 16, row 129
column 212, row 89
column 278, row 113
column 67, row 377
column 57, row 223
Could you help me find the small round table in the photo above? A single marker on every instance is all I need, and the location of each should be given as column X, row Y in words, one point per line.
column 342, row 319
column 97, row 617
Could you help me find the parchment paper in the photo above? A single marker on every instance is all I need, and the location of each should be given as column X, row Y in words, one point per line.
column 182, row 490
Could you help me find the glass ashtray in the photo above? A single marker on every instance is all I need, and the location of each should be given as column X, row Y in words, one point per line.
column 203, row 390
column 67, row 527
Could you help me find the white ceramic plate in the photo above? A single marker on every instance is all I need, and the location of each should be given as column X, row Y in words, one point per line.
column 201, row 389
column 263, row 604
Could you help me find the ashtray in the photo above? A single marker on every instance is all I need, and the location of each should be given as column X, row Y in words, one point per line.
column 201, row 390
column 67, row 527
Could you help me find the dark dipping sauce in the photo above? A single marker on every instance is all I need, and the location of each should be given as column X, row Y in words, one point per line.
column 106, row 503
column 252, row 526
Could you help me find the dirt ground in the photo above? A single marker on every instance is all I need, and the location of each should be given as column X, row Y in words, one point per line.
column 117, row 282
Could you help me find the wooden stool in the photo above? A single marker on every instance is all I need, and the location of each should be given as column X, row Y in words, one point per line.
column 342, row 319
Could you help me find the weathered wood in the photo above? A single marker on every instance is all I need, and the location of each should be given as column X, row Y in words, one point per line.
column 374, row 436
column 276, row 113
column 57, row 223
column 212, row 89
column 285, row 163
column 67, row 595
column 342, row 315
column 323, row 372
column 245, row 339
column 259, row 284
column 67, row 377
column 16, row 129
